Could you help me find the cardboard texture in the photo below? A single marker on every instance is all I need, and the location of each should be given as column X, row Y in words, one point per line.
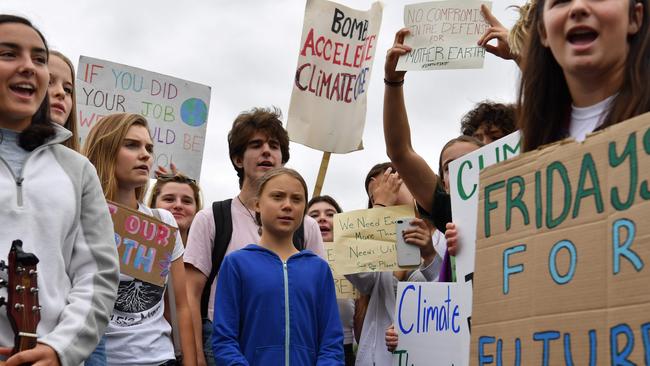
column 144, row 244
column 344, row 288
column 364, row 240
column 563, row 243
column 444, row 35
column 176, row 109
column 329, row 96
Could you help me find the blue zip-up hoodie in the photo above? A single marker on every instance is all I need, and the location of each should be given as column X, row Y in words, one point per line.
column 252, row 324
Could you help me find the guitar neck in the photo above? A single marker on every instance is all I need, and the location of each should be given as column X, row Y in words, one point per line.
column 23, row 308
column 24, row 341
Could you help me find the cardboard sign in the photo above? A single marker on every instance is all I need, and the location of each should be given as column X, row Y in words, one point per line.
column 344, row 288
column 364, row 240
column 176, row 110
column 328, row 101
column 464, row 187
column 444, row 35
column 431, row 320
column 144, row 244
column 563, row 239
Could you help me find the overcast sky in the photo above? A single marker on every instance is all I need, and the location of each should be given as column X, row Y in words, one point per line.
column 247, row 52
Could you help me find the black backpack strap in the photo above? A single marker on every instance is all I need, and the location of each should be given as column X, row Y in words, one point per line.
column 299, row 237
column 222, row 235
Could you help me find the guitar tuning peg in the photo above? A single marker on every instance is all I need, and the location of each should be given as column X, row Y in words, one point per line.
column 3, row 302
column 3, row 282
column 3, row 265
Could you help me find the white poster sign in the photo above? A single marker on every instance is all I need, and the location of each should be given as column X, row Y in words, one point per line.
column 464, row 189
column 444, row 35
column 431, row 319
column 176, row 110
column 328, row 101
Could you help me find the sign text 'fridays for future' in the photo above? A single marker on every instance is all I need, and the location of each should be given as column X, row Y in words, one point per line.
column 444, row 35
column 563, row 241
column 176, row 110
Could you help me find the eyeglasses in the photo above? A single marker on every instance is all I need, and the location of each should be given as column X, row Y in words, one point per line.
column 176, row 178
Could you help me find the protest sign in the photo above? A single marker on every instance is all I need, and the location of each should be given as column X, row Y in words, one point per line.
column 444, row 35
column 344, row 288
column 364, row 240
column 431, row 320
column 563, row 238
column 144, row 244
column 328, row 100
column 176, row 110
column 464, row 187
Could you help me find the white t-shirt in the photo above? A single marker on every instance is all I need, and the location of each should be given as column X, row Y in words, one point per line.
column 138, row 333
column 346, row 313
column 439, row 243
column 586, row 120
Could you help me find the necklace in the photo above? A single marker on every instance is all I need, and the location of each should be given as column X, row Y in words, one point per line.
column 259, row 228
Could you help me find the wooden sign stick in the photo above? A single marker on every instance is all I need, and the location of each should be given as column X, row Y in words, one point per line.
column 321, row 173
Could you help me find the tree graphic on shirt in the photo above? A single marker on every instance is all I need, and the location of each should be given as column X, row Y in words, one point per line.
column 137, row 296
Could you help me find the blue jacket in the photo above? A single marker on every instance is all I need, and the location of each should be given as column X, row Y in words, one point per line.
column 254, row 326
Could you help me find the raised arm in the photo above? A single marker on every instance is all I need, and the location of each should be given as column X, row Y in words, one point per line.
column 412, row 168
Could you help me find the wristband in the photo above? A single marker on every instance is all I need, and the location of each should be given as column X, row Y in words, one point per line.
column 395, row 84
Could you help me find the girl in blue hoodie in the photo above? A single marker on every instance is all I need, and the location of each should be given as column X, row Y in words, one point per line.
column 275, row 305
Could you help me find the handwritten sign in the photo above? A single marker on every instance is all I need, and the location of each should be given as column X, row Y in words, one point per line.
column 464, row 187
column 563, row 239
column 344, row 288
column 364, row 240
column 177, row 110
column 444, row 35
column 431, row 320
column 144, row 244
column 328, row 101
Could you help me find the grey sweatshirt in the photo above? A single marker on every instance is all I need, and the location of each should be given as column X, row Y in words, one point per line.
column 57, row 208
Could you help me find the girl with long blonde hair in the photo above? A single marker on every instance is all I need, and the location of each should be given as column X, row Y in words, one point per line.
column 121, row 149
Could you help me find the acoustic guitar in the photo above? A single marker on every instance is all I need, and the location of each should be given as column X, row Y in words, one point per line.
column 23, row 309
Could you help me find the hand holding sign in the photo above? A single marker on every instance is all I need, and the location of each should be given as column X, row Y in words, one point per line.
column 496, row 31
column 398, row 50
